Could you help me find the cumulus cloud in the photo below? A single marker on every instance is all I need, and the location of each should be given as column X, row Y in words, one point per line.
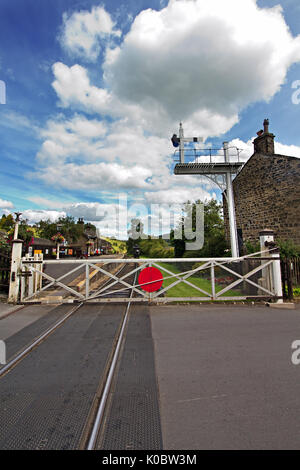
column 92, row 139
column 34, row 216
column 69, row 139
column 84, row 32
column 197, row 59
column 73, row 88
column 177, row 195
column 6, row 204
column 280, row 149
column 95, row 176
column 48, row 203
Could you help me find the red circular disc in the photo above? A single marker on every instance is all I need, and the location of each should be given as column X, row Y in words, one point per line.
column 148, row 275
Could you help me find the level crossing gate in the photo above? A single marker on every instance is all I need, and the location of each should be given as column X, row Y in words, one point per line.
column 255, row 276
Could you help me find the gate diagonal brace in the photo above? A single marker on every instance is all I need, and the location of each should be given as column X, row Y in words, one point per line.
column 128, row 286
column 244, row 278
column 54, row 282
column 186, row 274
column 101, row 291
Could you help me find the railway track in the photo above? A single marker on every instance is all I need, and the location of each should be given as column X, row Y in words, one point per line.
column 98, row 420
column 65, row 375
column 116, row 290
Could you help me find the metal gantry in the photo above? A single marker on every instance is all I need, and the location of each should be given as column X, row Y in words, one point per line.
column 213, row 170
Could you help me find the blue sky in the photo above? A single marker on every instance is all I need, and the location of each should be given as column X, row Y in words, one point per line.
column 94, row 90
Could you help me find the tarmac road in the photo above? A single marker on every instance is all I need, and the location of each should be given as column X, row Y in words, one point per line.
column 225, row 376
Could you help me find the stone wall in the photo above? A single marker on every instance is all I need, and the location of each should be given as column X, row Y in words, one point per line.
column 267, row 195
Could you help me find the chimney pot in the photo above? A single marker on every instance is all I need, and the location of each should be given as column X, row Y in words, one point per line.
column 264, row 142
column 266, row 126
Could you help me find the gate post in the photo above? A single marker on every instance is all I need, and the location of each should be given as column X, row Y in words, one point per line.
column 266, row 237
column 276, row 274
column 14, row 282
column 271, row 276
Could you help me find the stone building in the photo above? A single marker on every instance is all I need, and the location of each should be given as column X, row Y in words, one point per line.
column 267, row 193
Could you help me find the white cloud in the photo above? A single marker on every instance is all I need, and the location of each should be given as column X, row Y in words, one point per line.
column 48, row 203
column 18, row 121
column 34, row 216
column 6, row 204
column 96, row 176
column 67, row 139
column 73, row 88
column 195, row 60
column 84, row 32
column 91, row 139
column 280, row 149
column 177, row 195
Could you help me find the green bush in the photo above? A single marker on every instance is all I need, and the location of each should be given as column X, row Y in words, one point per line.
column 288, row 249
column 296, row 291
column 252, row 247
column 156, row 248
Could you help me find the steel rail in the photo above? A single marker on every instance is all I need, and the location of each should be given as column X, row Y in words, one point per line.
column 21, row 355
column 100, row 413
column 104, row 286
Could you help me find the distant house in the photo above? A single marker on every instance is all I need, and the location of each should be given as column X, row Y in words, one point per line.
column 41, row 246
column 89, row 243
column 267, row 193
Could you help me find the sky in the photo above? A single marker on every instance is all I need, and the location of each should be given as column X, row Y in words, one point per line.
column 91, row 93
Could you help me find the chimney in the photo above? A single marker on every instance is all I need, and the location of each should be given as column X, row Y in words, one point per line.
column 264, row 143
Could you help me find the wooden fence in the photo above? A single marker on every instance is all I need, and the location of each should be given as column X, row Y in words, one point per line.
column 290, row 273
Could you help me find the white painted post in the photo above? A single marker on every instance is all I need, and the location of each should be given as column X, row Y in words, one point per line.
column 14, row 284
column 231, row 209
column 57, row 250
column 277, row 283
column 40, row 282
column 30, row 278
column 35, row 274
column 22, row 285
column 213, row 281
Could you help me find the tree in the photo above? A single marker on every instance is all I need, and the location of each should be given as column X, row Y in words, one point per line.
column 135, row 234
column 68, row 228
column 7, row 222
column 179, row 245
column 214, row 234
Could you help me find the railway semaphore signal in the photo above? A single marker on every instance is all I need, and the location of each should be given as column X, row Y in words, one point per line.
column 181, row 140
column 212, row 170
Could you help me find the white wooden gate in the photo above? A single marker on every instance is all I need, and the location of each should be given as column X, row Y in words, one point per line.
column 255, row 276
